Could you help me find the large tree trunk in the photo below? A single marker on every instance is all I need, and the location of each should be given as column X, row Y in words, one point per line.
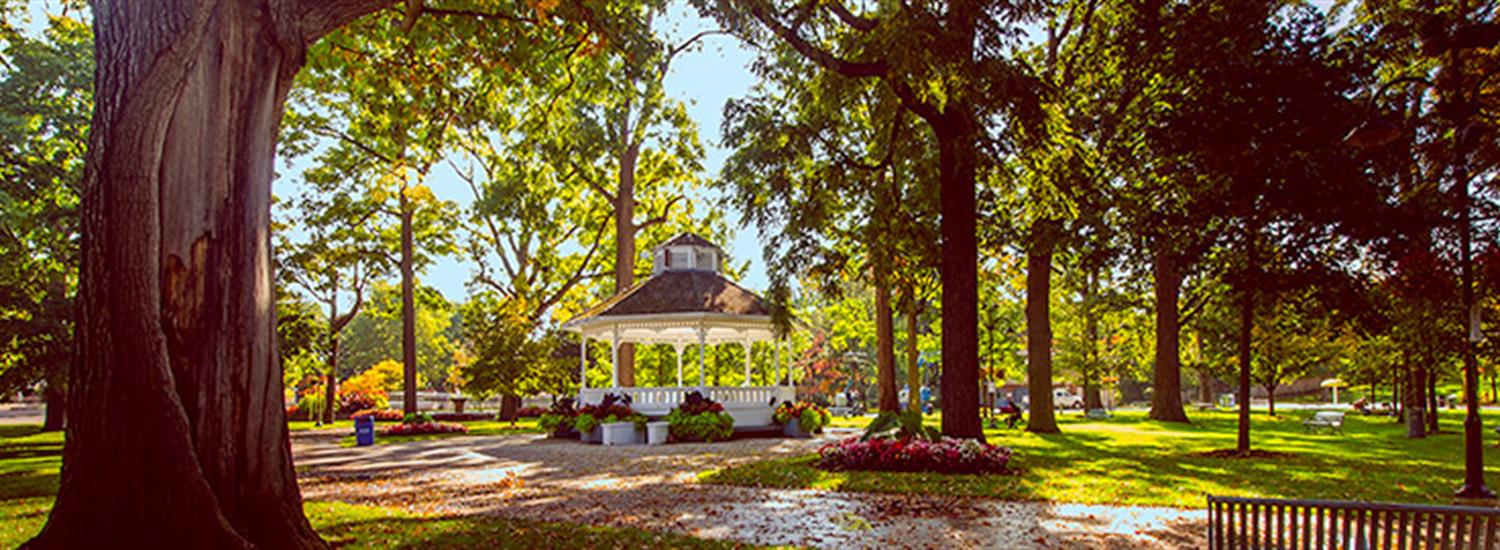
column 1166, row 393
column 1042, row 417
column 885, row 343
column 176, row 434
column 959, row 272
column 1247, row 326
column 408, row 312
column 331, row 378
column 510, row 407
column 913, row 375
column 1205, row 386
column 625, row 230
column 1271, row 400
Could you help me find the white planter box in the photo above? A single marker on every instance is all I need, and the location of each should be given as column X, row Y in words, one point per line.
column 591, row 436
column 621, row 433
column 656, row 433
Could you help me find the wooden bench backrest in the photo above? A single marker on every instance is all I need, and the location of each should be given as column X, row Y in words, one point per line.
column 1245, row 523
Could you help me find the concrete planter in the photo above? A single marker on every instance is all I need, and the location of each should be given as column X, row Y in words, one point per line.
column 595, row 435
column 657, row 432
column 621, row 433
column 793, row 429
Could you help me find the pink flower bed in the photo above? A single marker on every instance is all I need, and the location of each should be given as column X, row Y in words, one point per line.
column 425, row 428
column 948, row 456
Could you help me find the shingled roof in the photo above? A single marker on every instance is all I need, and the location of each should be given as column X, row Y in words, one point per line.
column 680, row 292
column 688, row 239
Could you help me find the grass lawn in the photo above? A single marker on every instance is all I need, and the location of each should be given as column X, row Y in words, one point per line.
column 1132, row 460
column 29, row 463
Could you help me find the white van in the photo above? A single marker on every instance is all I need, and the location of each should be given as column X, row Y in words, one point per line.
column 1064, row 399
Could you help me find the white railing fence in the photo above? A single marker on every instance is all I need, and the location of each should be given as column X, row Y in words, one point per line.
column 750, row 405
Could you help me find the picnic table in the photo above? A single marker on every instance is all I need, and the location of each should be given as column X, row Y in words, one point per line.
column 1333, row 421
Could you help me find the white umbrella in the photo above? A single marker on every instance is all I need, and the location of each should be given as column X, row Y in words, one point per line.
column 1335, row 384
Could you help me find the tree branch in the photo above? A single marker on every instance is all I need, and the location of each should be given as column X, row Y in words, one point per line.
column 661, row 218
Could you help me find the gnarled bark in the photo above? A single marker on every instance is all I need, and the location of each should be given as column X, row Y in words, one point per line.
column 176, row 431
column 885, row 343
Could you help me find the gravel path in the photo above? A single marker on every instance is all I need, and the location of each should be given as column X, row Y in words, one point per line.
column 528, row 476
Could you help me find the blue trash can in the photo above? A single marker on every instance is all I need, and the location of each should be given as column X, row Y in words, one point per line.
column 364, row 431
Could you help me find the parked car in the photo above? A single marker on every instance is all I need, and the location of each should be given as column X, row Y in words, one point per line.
column 1064, row 399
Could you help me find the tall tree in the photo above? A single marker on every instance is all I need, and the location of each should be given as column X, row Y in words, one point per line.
column 948, row 65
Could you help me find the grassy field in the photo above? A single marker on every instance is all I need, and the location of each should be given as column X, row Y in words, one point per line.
column 29, row 463
column 1132, row 460
column 478, row 427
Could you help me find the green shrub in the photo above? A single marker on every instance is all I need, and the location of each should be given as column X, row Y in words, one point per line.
column 585, row 423
column 417, row 418
column 813, row 420
column 552, row 423
column 704, row 426
column 903, row 425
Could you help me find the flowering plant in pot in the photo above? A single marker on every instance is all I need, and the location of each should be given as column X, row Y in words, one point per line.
column 801, row 419
column 558, row 421
column 611, row 408
column 699, row 418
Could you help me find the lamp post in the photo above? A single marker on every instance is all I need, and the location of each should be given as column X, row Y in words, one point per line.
column 1459, row 106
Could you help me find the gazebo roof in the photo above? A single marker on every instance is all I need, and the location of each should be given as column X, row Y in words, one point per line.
column 688, row 239
column 676, row 292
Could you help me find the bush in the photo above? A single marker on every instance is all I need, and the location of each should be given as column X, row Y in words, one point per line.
column 903, row 425
column 426, row 428
column 699, row 418
column 309, row 404
column 380, row 415
column 555, row 424
column 809, row 416
column 946, row 455
column 354, row 401
column 530, row 412
column 585, row 423
column 617, row 406
column 460, row 417
column 417, row 418
column 295, row 413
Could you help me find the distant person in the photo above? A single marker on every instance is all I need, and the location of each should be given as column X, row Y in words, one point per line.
column 1012, row 413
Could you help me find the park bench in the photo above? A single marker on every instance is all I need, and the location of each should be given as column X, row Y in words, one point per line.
column 1246, row 523
column 1333, row 421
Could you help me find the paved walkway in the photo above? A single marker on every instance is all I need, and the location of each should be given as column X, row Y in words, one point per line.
column 528, row 476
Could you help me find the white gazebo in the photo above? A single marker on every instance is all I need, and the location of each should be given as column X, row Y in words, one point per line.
column 686, row 301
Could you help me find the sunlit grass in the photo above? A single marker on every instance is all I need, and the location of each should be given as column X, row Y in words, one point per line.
column 1132, row 460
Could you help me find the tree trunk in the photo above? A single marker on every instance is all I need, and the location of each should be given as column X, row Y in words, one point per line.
column 959, row 272
column 1042, row 418
column 56, row 395
column 1247, row 325
column 1416, row 422
column 625, row 230
column 1092, row 369
column 1271, row 400
column 331, row 382
column 1396, row 402
column 913, row 374
column 1205, row 386
column 885, row 343
column 1166, row 393
column 408, row 312
column 510, row 407
column 177, row 432
column 1432, row 401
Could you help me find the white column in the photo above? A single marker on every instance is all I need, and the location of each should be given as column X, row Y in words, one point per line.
column 614, row 360
column 678, row 346
column 746, row 345
column 702, row 360
column 583, row 362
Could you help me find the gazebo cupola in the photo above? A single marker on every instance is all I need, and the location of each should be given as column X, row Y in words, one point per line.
column 687, row 252
column 686, row 301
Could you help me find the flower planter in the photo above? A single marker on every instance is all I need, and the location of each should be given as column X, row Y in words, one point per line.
column 592, row 436
column 621, row 433
column 656, row 433
column 793, row 429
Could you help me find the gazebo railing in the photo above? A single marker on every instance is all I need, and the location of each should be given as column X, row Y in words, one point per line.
column 659, row 401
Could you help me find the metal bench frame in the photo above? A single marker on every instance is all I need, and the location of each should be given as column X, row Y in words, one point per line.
column 1253, row 523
